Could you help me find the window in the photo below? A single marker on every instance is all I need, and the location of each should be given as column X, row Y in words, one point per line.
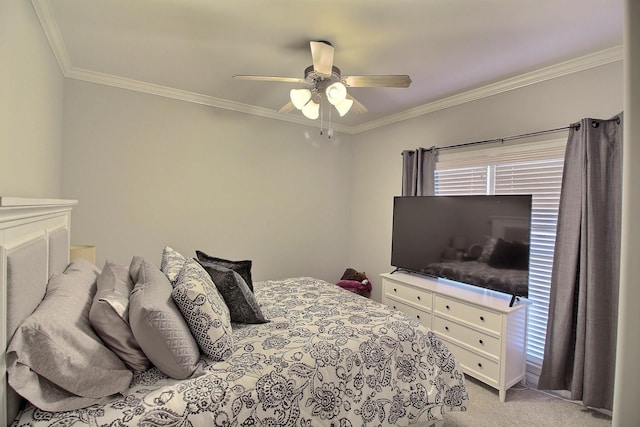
column 534, row 169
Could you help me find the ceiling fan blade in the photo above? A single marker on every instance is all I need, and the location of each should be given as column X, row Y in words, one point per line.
column 322, row 54
column 287, row 108
column 357, row 106
column 270, row 79
column 377, row 81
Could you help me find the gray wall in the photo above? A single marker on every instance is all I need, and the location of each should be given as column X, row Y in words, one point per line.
column 31, row 91
column 150, row 171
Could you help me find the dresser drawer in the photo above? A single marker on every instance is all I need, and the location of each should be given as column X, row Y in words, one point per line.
column 408, row 293
column 469, row 313
column 471, row 337
column 477, row 366
column 423, row 316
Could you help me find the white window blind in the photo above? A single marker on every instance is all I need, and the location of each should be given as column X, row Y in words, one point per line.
column 510, row 172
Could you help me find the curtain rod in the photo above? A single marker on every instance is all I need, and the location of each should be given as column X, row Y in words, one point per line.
column 575, row 126
column 509, row 138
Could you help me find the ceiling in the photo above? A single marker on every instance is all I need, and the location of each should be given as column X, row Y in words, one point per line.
column 454, row 50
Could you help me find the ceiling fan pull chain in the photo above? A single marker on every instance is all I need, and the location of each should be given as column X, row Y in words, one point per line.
column 329, row 130
column 321, row 115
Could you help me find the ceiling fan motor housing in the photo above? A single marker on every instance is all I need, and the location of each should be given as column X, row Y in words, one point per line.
column 312, row 78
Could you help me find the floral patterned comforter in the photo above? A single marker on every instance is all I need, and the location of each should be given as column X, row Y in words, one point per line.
column 327, row 357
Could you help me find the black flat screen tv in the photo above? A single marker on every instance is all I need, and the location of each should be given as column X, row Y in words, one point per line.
column 479, row 240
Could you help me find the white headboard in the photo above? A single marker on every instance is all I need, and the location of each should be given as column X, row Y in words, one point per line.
column 34, row 244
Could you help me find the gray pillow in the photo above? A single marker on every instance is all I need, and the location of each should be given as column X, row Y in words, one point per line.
column 171, row 264
column 204, row 310
column 134, row 268
column 242, row 304
column 109, row 315
column 243, row 268
column 55, row 360
column 158, row 325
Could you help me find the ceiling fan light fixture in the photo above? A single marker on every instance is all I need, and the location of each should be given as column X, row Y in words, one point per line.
column 299, row 97
column 344, row 107
column 311, row 110
column 336, row 93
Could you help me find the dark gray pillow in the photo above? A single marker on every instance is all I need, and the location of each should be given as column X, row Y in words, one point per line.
column 243, row 268
column 242, row 304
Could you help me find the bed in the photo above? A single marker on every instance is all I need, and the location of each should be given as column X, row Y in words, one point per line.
column 323, row 356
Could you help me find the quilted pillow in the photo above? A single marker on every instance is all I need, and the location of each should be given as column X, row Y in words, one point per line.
column 109, row 315
column 243, row 268
column 171, row 264
column 55, row 360
column 158, row 325
column 204, row 310
column 242, row 304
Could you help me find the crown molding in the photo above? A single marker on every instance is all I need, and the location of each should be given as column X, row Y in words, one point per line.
column 183, row 95
column 582, row 63
column 195, row 98
column 52, row 32
column 47, row 20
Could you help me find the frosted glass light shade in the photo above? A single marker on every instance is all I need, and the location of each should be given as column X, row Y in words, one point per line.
column 344, row 107
column 311, row 110
column 299, row 97
column 336, row 93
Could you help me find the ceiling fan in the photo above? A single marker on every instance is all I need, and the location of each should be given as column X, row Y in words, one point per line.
column 323, row 80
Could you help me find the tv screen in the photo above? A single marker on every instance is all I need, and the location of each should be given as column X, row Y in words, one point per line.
column 478, row 240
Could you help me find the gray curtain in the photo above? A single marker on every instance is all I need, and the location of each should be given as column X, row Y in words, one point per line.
column 580, row 347
column 418, row 167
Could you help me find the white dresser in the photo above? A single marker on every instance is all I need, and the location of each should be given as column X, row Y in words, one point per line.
column 487, row 336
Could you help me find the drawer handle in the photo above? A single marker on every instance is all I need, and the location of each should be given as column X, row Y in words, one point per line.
column 447, row 307
column 481, row 342
column 394, row 307
column 418, row 297
column 482, row 318
column 479, row 365
column 418, row 316
column 446, row 328
column 395, row 290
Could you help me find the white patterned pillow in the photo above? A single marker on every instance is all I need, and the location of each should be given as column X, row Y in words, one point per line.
column 204, row 310
column 171, row 264
column 487, row 250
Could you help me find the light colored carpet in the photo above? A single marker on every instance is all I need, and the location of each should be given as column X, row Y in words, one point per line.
column 523, row 407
